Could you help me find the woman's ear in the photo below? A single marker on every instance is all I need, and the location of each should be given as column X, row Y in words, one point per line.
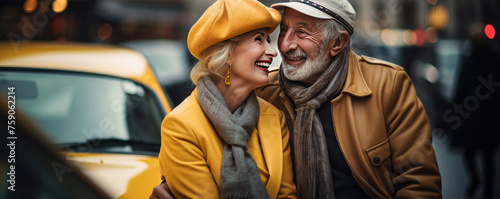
column 228, row 60
column 340, row 43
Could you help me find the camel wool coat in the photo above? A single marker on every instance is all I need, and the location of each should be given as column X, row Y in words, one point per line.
column 191, row 152
column 382, row 129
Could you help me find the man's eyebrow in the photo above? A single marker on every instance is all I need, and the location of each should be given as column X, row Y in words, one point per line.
column 305, row 24
column 299, row 24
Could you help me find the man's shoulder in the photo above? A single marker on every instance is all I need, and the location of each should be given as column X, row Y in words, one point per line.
column 371, row 62
column 374, row 70
column 377, row 74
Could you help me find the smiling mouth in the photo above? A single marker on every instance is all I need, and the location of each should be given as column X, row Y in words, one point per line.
column 295, row 58
column 296, row 55
column 263, row 65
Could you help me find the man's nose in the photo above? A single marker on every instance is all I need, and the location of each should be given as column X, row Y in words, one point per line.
column 287, row 42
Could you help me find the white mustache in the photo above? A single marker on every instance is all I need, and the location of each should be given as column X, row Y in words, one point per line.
column 295, row 54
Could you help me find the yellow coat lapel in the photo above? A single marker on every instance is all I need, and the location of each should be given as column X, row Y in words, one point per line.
column 273, row 154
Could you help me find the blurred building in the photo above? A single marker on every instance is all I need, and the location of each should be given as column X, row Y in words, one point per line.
column 109, row 21
column 427, row 37
column 379, row 22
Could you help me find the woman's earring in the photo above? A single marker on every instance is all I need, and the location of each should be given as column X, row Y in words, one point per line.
column 228, row 78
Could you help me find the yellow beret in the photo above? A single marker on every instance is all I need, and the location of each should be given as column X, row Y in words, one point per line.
column 226, row 19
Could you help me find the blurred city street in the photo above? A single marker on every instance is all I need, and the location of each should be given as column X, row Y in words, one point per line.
column 453, row 173
column 449, row 48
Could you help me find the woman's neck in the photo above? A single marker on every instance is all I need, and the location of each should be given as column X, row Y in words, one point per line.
column 233, row 94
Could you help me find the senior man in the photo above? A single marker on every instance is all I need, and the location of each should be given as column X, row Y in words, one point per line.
column 359, row 129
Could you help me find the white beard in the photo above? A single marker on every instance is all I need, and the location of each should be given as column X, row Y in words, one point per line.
column 314, row 65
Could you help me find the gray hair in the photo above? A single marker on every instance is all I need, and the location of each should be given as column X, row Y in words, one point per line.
column 331, row 31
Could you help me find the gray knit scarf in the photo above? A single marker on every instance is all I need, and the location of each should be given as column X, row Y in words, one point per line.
column 310, row 152
column 240, row 176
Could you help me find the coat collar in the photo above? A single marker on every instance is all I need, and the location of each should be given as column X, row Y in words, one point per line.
column 355, row 83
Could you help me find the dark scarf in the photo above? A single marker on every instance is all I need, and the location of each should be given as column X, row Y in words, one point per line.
column 310, row 152
column 240, row 176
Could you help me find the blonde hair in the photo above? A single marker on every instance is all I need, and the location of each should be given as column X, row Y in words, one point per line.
column 213, row 60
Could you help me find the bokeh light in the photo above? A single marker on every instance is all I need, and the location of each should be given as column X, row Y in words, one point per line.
column 438, row 17
column 409, row 37
column 431, row 35
column 421, row 40
column 431, row 73
column 104, row 32
column 489, row 30
column 390, row 37
column 432, row 2
column 30, row 5
column 59, row 5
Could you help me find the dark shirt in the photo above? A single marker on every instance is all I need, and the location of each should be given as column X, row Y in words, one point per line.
column 344, row 184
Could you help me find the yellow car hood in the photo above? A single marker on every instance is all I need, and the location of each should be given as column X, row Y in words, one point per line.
column 120, row 175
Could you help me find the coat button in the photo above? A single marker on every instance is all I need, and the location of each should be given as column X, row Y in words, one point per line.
column 376, row 160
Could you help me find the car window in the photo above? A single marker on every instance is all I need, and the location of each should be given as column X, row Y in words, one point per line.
column 76, row 107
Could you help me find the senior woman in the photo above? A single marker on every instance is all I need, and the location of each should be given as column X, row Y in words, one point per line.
column 223, row 141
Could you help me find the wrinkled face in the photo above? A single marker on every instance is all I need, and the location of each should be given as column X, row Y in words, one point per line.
column 251, row 59
column 300, row 44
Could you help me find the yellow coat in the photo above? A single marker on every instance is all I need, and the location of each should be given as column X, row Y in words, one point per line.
column 191, row 152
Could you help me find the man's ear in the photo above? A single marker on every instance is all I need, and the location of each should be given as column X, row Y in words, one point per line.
column 340, row 43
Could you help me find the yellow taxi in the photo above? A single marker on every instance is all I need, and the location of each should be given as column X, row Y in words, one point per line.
column 100, row 105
